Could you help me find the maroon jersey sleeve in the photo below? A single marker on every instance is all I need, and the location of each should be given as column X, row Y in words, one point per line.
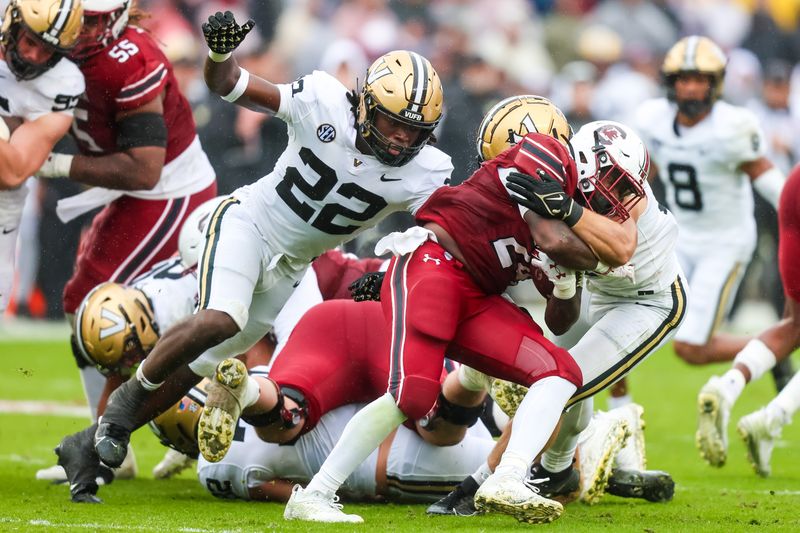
column 789, row 241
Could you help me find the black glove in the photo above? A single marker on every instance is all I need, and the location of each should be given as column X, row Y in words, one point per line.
column 223, row 34
column 544, row 195
column 367, row 287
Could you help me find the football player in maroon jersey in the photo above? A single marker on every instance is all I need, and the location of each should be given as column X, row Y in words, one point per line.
column 139, row 151
column 448, row 274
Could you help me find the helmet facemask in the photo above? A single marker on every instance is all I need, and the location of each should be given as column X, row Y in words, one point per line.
column 381, row 145
column 692, row 108
column 100, row 29
column 10, row 39
column 612, row 192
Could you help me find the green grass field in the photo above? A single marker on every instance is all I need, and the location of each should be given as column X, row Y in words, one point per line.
column 706, row 499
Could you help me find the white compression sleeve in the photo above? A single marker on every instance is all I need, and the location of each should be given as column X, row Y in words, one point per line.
column 769, row 185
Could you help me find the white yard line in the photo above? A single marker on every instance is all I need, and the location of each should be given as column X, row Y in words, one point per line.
column 99, row 526
column 31, row 407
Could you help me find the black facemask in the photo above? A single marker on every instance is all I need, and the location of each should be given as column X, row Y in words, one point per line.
column 694, row 108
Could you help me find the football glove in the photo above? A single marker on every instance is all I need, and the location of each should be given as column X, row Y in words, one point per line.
column 544, row 195
column 367, row 287
column 223, row 34
column 563, row 279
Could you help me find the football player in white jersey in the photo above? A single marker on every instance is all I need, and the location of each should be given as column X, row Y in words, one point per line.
column 40, row 88
column 351, row 160
column 709, row 155
column 626, row 315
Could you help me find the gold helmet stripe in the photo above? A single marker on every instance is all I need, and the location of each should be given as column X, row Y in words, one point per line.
column 64, row 12
column 419, row 91
column 691, row 51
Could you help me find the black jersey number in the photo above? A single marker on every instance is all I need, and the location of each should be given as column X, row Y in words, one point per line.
column 687, row 193
column 323, row 221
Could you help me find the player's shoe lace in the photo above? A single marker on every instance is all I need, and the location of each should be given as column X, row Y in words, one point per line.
column 313, row 506
column 509, row 495
column 223, row 406
column 760, row 430
column 713, row 413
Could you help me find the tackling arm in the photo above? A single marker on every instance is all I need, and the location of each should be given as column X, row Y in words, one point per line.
column 560, row 243
column 28, row 148
column 135, row 167
column 612, row 242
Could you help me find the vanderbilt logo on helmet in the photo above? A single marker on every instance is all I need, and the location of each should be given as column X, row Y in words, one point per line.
column 511, row 119
column 56, row 24
column 403, row 86
column 117, row 324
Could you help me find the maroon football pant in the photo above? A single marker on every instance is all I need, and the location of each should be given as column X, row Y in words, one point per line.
column 434, row 307
column 789, row 240
column 126, row 239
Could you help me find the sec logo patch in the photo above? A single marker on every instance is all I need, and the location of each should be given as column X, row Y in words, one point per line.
column 326, row 133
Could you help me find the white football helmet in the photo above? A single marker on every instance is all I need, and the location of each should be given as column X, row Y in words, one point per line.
column 613, row 164
column 193, row 231
column 113, row 18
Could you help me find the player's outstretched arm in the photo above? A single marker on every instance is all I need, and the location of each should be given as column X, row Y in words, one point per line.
column 28, row 147
column 222, row 72
column 767, row 179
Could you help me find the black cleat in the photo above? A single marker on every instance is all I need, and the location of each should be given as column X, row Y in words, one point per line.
column 556, row 485
column 460, row 502
column 115, row 426
column 76, row 454
column 650, row 485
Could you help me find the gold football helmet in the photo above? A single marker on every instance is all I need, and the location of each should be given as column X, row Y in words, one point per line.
column 695, row 54
column 177, row 426
column 53, row 24
column 405, row 87
column 510, row 120
column 115, row 328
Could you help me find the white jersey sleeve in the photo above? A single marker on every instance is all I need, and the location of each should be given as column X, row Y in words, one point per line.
column 301, row 97
column 172, row 290
column 55, row 91
column 741, row 136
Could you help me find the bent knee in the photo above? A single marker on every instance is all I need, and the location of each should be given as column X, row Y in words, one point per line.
column 417, row 396
column 215, row 326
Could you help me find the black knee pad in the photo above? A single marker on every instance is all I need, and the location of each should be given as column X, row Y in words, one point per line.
column 455, row 414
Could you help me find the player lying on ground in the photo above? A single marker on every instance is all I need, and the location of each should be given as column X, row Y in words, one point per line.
column 716, row 398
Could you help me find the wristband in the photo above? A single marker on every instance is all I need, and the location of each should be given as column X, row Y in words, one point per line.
column 240, row 87
column 564, row 291
column 56, row 166
column 574, row 215
column 218, row 58
column 769, row 185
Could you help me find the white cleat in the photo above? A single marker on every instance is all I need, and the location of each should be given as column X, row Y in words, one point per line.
column 316, row 507
column 713, row 413
column 221, row 413
column 598, row 445
column 173, row 463
column 759, row 431
column 509, row 495
column 128, row 468
column 55, row 474
column 632, row 456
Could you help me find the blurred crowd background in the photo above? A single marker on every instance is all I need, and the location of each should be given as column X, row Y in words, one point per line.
column 593, row 58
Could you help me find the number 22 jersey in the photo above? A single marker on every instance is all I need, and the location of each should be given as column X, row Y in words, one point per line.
column 323, row 190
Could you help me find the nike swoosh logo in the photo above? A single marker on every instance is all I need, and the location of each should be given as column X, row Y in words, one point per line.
column 6, row 231
column 384, row 178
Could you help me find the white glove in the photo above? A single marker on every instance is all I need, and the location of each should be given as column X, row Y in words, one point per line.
column 627, row 271
column 55, row 166
column 563, row 279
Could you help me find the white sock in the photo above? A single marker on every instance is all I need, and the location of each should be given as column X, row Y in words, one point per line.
column 788, row 400
column 757, row 357
column 619, row 401
column 536, row 418
column 361, row 436
column 93, row 384
column 733, row 384
column 560, row 454
column 252, row 391
column 482, row 473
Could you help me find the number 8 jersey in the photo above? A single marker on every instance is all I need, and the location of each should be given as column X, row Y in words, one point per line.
column 710, row 197
column 323, row 190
